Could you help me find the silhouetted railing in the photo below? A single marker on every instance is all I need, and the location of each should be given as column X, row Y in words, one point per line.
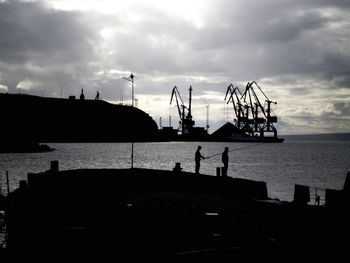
column 306, row 195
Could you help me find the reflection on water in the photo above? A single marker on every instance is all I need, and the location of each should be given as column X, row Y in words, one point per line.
column 281, row 165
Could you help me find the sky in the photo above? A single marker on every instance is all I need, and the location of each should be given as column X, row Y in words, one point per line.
column 297, row 51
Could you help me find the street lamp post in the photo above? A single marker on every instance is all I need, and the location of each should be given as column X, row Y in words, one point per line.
column 131, row 79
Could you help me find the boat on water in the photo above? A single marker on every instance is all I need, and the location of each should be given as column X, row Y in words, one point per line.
column 253, row 121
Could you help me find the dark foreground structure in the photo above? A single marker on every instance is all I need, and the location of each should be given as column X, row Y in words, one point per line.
column 128, row 213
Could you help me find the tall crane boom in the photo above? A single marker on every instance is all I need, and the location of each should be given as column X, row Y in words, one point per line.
column 180, row 107
column 236, row 102
column 186, row 122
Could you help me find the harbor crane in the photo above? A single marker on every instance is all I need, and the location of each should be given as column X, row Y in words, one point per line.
column 252, row 116
column 265, row 123
column 236, row 102
column 186, row 123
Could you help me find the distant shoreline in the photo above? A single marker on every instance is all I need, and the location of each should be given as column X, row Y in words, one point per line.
column 319, row 137
column 24, row 147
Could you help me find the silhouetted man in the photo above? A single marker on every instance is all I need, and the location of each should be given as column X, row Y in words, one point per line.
column 198, row 157
column 224, row 159
column 97, row 96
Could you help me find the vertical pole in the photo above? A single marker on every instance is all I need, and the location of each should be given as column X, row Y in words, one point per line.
column 190, row 103
column 207, row 118
column 0, row 185
column 268, row 114
column 132, row 87
column 131, row 79
column 132, row 154
column 7, row 182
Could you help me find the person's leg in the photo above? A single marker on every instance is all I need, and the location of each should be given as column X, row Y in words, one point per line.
column 225, row 169
column 197, row 168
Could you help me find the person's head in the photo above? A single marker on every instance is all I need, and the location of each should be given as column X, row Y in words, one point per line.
column 199, row 147
column 226, row 149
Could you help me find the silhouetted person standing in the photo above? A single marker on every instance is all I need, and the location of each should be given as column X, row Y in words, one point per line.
column 224, row 159
column 198, row 157
column 97, row 96
column 82, row 96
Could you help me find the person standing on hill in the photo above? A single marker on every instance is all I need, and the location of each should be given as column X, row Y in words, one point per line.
column 198, row 157
column 224, row 159
column 82, row 96
column 97, row 96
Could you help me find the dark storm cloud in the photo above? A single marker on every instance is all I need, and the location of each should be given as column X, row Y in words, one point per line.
column 298, row 48
column 300, row 91
column 160, row 44
column 343, row 81
column 246, row 41
column 30, row 29
column 337, row 117
column 339, row 110
column 259, row 26
column 37, row 41
column 277, row 38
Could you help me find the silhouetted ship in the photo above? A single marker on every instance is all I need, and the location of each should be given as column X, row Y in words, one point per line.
column 253, row 121
column 27, row 118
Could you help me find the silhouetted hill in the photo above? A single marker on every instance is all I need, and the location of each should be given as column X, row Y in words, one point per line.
column 39, row 119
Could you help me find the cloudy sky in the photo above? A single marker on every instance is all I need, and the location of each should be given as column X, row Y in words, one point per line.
column 297, row 51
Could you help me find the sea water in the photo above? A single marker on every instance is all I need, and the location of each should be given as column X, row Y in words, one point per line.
column 317, row 164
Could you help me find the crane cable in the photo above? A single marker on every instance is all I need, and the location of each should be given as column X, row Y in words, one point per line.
column 236, row 149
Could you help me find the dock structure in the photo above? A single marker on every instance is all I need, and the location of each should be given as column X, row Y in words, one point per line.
column 158, row 213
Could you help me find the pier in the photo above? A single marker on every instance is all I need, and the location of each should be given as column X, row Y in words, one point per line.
column 158, row 213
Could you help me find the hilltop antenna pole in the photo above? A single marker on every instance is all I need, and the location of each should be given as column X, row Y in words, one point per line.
column 61, row 86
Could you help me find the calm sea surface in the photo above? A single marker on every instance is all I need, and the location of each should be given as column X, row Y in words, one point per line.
column 321, row 164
